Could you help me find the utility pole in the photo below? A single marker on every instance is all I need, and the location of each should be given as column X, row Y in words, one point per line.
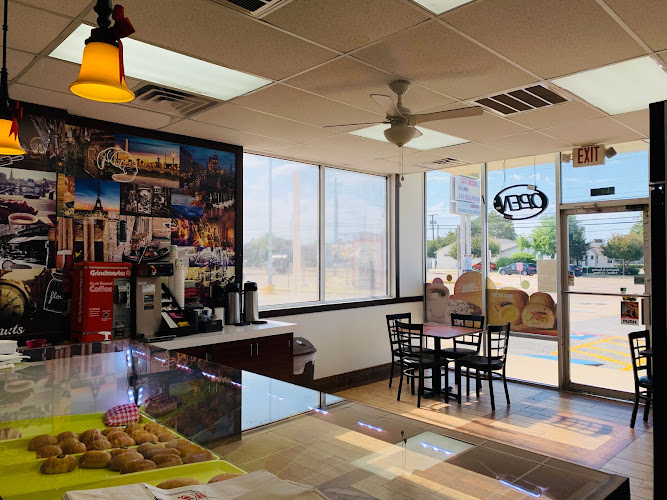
column 432, row 216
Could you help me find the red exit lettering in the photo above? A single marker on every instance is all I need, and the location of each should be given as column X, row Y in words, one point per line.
column 588, row 156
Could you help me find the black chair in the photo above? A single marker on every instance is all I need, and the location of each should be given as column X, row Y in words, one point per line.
column 466, row 345
column 393, row 339
column 414, row 359
column 641, row 369
column 485, row 367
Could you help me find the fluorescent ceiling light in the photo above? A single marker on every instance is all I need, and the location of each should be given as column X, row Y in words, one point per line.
column 440, row 6
column 164, row 67
column 430, row 139
column 619, row 88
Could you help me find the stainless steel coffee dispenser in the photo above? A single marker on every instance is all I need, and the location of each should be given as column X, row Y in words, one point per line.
column 232, row 304
column 250, row 305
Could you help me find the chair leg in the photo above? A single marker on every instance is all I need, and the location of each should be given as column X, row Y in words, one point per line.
column 648, row 404
column 490, row 379
column 478, row 382
column 412, row 385
column 446, row 367
column 467, row 382
column 400, row 382
column 391, row 372
column 634, row 410
column 457, row 379
column 507, row 392
column 420, row 387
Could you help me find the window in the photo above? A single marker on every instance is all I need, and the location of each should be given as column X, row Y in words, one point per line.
column 282, row 233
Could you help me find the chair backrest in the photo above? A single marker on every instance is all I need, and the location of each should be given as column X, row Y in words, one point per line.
column 497, row 338
column 641, row 365
column 410, row 337
column 392, row 319
column 474, row 339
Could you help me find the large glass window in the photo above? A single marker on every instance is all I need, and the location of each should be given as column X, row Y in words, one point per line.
column 355, row 217
column 282, row 235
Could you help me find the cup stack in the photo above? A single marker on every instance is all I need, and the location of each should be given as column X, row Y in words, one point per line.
column 9, row 354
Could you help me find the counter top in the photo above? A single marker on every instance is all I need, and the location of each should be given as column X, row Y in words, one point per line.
column 230, row 333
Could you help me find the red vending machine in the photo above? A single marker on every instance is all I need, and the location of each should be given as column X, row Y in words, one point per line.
column 101, row 301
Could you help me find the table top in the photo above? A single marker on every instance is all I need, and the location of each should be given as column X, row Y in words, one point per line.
column 448, row 331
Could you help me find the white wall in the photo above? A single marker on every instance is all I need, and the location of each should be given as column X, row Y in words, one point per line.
column 411, row 235
column 350, row 339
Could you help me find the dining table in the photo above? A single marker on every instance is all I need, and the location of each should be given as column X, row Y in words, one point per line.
column 438, row 332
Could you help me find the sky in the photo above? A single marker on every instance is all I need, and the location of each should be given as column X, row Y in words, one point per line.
column 85, row 194
column 148, row 150
column 627, row 172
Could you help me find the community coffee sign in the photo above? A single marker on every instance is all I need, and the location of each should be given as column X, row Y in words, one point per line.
column 520, row 202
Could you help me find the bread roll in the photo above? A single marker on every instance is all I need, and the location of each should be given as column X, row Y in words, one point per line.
column 87, row 433
column 166, row 460
column 39, row 441
column 506, row 306
column 145, row 447
column 67, row 435
column 177, row 443
column 93, row 436
column 19, row 385
column 50, row 450
column 165, row 435
column 153, row 427
column 538, row 316
column 121, row 441
column 134, row 426
column 114, row 434
column 137, row 466
column 178, row 483
column 162, row 451
column 58, row 465
column 118, row 451
column 105, row 432
column 202, row 456
column 70, row 446
column 118, row 461
column 10, row 433
column 145, row 437
column 543, row 298
column 222, row 477
column 99, row 444
column 96, row 459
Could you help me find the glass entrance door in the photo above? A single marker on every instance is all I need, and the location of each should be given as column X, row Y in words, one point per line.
column 604, row 290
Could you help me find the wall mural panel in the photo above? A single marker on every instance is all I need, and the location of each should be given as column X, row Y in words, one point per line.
column 95, row 191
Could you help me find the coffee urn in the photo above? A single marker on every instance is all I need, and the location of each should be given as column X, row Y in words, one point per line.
column 250, row 306
column 232, row 304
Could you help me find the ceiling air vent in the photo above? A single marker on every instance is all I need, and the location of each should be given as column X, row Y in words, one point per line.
column 166, row 100
column 255, row 8
column 442, row 163
column 524, row 99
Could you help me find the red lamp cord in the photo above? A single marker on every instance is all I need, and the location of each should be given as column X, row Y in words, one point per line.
column 122, row 28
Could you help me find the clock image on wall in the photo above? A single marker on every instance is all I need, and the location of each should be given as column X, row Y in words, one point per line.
column 14, row 302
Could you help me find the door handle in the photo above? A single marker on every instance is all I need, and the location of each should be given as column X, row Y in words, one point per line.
column 251, row 350
column 257, row 348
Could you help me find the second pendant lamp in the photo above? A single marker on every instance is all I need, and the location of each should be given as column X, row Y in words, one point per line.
column 102, row 73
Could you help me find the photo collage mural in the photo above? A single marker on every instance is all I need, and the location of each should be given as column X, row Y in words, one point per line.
column 100, row 194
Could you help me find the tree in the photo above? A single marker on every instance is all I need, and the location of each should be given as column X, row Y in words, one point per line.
column 476, row 247
column 543, row 239
column 432, row 246
column 499, row 227
column 637, row 228
column 628, row 248
column 256, row 251
column 577, row 240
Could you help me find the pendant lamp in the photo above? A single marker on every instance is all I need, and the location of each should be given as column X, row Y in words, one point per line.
column 102, row 75
column 10, row 111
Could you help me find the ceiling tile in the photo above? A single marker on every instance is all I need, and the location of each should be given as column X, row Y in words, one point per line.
column 476, row 128
column 249, row 120
column 32, row 29
column 560, row 114
column 379, row 166
column 581, row 36
column 345, row 25
column 529, row 143
column 601, row 130
column 317, row 155
column 472, row 152
column 444, row 61
column 119, row 113
column 413, row 158
column 638, row 120
column 298, row 105
column 70, row 8
column 220, row 35
column 351, row 81
column 647, row 18
column 17, row 61
column 221, row 134
column 361, row 146
column 663, row 56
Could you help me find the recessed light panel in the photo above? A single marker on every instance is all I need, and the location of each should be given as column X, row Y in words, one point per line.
column 154, row 64
column 440, row 6
column 430, row 139
column 619, row 88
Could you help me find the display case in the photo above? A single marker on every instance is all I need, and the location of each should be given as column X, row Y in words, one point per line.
column 69, row 388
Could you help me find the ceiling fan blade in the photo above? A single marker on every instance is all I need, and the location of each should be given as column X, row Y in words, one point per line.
column 417, row 133
column 355, row 124
column 446, row 115
column 387, row 105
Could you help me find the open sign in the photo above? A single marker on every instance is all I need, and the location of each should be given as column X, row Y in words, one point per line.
column 520, row 202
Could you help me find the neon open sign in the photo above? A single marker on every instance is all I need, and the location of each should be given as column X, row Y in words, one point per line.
column 520, row 202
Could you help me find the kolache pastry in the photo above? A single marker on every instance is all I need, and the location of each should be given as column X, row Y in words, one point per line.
column 87, row 434
column 135, row 426
column 144, row 448
column 39, row 441
column 166, row 460
column 144, row 437
column 50, row 450
column 506, row 306
column 178, row 483
column 67, row 435
column 137, row 466
column 105, row 432
column 224, row 476
column 70, row 446
column 121, row 441
column 118, row 461
column 540, row 312
column 150, row 454
column 202, row 456
column 118, row 451
column 9, row 433
column 99, row 444
column 93, row 436
column 96, row 459
column 58, row 465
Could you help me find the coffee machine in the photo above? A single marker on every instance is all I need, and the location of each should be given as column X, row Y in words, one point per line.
column 148, row 297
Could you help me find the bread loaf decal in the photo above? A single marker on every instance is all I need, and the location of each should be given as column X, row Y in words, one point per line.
column 506, row 305
column 540, row 312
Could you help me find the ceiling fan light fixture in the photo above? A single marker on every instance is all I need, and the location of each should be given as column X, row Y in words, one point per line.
column 400, row 135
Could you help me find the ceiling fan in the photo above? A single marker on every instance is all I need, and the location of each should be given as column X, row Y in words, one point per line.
column 403, row 123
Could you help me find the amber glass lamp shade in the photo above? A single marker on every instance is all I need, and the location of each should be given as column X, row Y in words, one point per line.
column 99, row 77
column 9, row 143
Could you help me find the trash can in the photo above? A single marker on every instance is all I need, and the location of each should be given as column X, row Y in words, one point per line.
column 304, row 367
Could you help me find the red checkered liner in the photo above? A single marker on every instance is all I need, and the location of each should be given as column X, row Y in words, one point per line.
column 122, row 415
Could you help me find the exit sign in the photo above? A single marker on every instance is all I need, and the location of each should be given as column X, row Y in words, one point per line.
column 588, row 156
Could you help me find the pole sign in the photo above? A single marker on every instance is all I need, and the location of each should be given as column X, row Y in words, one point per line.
column 520, row 202
column 588, row 156
column 465, row 195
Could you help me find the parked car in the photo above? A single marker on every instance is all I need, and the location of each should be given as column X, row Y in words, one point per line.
column 576, row 269
column 525, row 268
column 478, row 266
